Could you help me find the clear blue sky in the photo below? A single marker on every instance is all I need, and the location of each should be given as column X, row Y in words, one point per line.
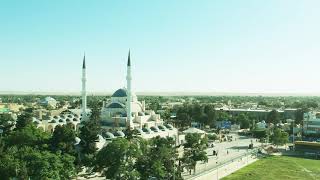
column 201, row 45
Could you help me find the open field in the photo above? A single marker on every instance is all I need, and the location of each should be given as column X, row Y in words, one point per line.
column 279, row 168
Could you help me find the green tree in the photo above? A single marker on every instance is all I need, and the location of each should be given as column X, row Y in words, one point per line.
column 63, row 139
column 222, row 116
column 243, row 120
column 273, row 117
column 117, row 159
column 279, row 137
column 24, row 118
column 194, row 151
column 89, row 132
column 210, row 112
column 260, row 134
column 159, row 161
column 27, row 162
column 299, row 115
column 28, row 136
column 6, row 123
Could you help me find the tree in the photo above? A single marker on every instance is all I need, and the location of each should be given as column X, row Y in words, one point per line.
column 28, row 162
column 183, row 118
column 194, row 150
column 210, row 112
column 243, row 120
column 28, row 136
column 6, row 123
column 222, row 116
column 117, row 159
column 273, row 117
column 89, row 132
column 279, row 137
column 63, row 139
column 260, row 134
column 159, row 161
column 299, row 115
column 24, row 118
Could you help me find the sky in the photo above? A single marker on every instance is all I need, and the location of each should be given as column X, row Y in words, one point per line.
column 182, row 45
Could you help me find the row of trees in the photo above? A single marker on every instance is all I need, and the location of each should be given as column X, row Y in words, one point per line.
column 201, row 113
column 205, row 114
column 275, row 135
column 136, row 158
column 29, row 152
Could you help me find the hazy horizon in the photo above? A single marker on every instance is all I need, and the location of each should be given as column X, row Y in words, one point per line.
column 188, row 46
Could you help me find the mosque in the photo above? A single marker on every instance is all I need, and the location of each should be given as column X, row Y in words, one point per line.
column 124, row 109
column 121, row 112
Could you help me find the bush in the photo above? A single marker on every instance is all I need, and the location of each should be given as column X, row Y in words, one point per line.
column 212, row 137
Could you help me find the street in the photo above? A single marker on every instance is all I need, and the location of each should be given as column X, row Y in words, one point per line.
column 227, row 151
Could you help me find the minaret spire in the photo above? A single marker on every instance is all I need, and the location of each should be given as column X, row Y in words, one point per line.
column 84, row 61
column 129, row 62
column 129, row 98
column 84, row 89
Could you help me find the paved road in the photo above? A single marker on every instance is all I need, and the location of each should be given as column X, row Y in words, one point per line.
column 226, row 152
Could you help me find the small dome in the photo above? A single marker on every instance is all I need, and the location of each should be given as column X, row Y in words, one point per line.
column 119, row 134
column 120, row 93
column 77, row 140
column 155, row 129
column 140, row 131
column 36, row 122
column 68, row 120
column 61, row 121
column 162, row 128
column 169, row 126
column 53, row 121
column 108, row 135
column 115, row 105
column 75, row 119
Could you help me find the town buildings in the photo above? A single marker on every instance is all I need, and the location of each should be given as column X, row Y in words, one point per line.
column 311, row 123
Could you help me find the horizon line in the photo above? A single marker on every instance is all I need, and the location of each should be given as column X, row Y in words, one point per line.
column 164, row 93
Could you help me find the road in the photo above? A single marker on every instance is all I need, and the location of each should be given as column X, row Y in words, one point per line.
column 226, row 151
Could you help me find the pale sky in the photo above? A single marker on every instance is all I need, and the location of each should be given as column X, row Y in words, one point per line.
column 182, row 45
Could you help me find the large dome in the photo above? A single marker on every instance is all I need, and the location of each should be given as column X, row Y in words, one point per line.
column 120, row 93
column 116, row 105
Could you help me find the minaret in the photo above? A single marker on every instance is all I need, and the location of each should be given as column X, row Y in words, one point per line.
column 84, row 91
column 129, row 78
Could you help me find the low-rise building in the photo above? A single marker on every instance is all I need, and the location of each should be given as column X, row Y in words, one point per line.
column 311, row 123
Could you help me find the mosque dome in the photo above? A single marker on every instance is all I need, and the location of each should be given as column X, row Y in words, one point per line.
column 120, row 93
column 115, row 105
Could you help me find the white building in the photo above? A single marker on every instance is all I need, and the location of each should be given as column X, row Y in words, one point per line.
column 261, row 125
column 49, row 101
